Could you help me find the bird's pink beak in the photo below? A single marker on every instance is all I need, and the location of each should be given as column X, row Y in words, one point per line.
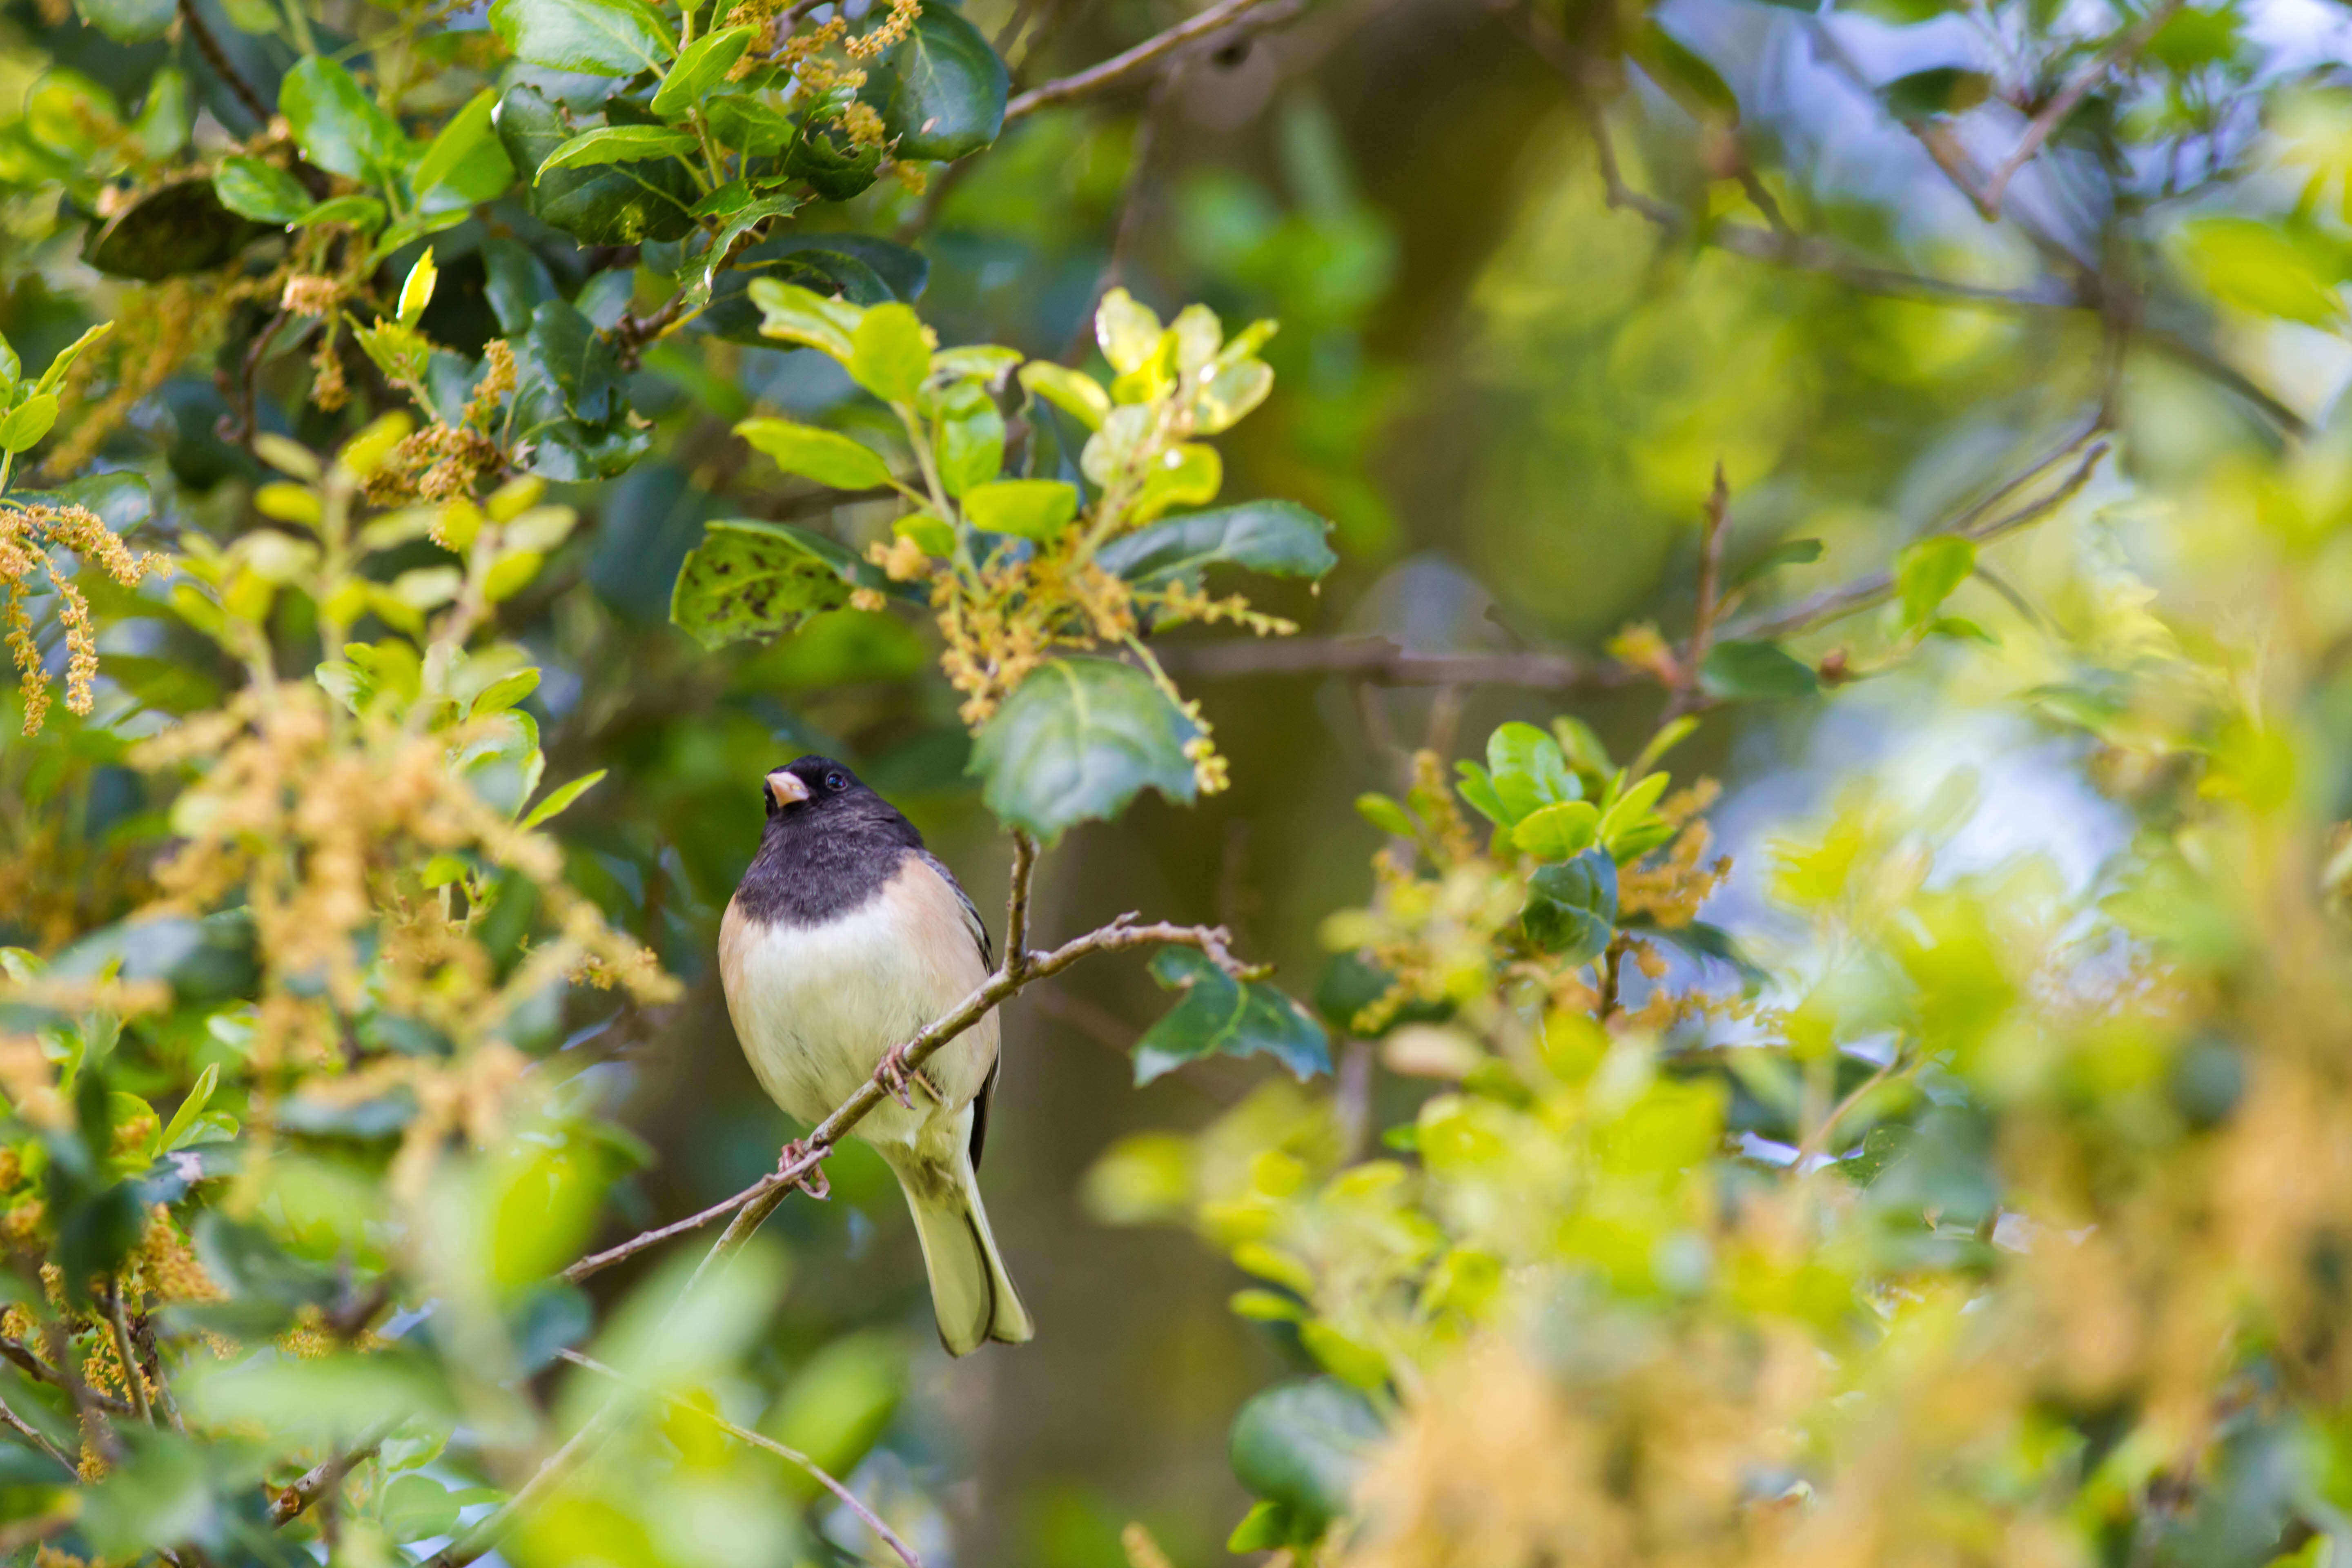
column 786, row 788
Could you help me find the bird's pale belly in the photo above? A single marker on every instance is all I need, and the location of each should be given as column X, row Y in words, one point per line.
column 816, row 1007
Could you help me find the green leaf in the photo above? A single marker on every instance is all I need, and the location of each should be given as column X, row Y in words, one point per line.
column 1078, row 739
column 1528, row 770
column 598, row 37
column 948, row 88
column 128, row 21
column 615, row 145
column 971, row 443
column 337, row 125
column 798, row 315
column 1788, row 552
column 363, row 213
column 28, row 422
column 1305, row 1446
column 749, row 215
column 2257, row 267
column 702, row 66
column 1278, row 537
column 1558, row 831
column 1033, row 509
column 578, row 358
column 621, row 203
column 170, row 231
column 1385, row 814
column 1266, row 1526
column 753, row 579
column 1571, row 909
column 561, row 797
column 1755, row 669
column 1073, row 392
column 1943, row 89
column 466, row 129
column 190, row 1108
column 1928, row 571
column 259, row 190
column 825, row 456
column 63, row 362
column 1224, row 1017
column 1479, row 789
column 887, row 355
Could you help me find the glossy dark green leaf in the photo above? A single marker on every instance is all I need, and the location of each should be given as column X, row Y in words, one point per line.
column 516, row 282
column 862, row 270
column 596, row 37
column 753, row 579
column 947, row 88
column 1305, row 1446
column 171, row 230
column 128, row 21
column 617, row 203
column 836, row 167
column 701, row 67
column 1571, row 909
column 1755, row 670
column 615, row 145
column 579, row 358
column 1078, row 739
column 1279, row 537
column 251, row 188
column 1219, row 1015
column 337, row 124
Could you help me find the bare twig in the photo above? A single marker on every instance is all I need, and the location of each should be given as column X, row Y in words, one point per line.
column 816, row 1471
column 132, row 1381
column 318, row 1481
column 1381, row 662
column 18, row 1354
column 1129, row 220
column 38, row 1439
column 1863, row 592
column 209, row 46
column 2043, row 125
column 1016, row 903
column 485, row 1535
column 1816, row 1142
column 1687, row 695
column 1220, row 21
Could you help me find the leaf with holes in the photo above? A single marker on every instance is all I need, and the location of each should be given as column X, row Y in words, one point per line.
column 754, row 579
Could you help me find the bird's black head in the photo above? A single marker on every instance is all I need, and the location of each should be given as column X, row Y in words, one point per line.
column 813, row 785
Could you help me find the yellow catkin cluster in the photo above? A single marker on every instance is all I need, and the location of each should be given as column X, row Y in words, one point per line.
column 889, row 34
column 436, row 463
column 309, row 294
column 320, row 825
column 28, row 534
column 863, row 124
column 329, row 390
column 1673, row 887
column 497, row 382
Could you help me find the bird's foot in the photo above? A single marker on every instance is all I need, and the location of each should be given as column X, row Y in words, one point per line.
column 813, row 1181
column 895, row 1074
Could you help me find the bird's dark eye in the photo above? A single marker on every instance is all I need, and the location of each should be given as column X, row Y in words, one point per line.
column 834, row 781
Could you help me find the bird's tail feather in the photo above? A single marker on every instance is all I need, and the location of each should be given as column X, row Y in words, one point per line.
column 972, row 1295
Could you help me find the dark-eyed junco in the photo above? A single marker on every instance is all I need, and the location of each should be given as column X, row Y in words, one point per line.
column 846, row 938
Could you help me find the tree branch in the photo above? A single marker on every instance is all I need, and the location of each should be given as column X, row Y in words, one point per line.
column 2043, row 125
column 759, row 1200
column 318, row 1481
column 215, row 57
column 38, row 1439
column 1222, row 21
column 823, row 1477
column 15, row 1352
column 1831, row 604
column 1382, row 662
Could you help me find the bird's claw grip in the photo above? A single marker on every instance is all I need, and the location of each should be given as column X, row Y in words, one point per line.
column 813, row 1181
column 895, row 1074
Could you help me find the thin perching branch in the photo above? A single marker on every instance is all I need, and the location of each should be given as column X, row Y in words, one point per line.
column 318, row 1481
column 741, row 1434
column 37, row 1438
column 1226, row 17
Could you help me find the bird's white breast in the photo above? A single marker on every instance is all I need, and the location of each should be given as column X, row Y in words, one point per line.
column 816, row 1006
